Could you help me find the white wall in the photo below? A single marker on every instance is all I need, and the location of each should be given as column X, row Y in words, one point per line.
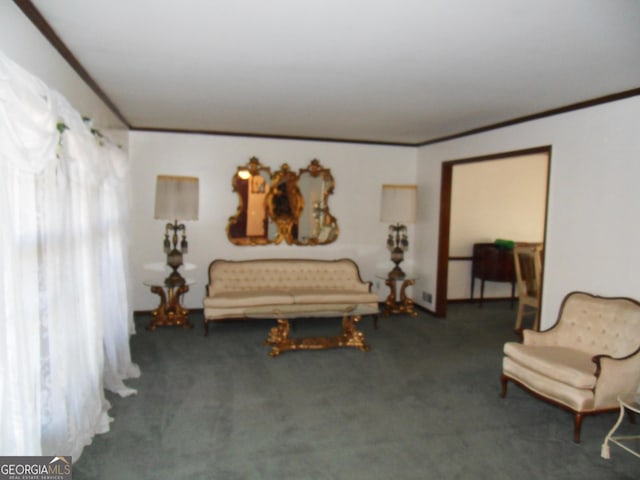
column 359, row 172
column 503, row 198
column 592, row 233
column 593, row 230
column 25, row 45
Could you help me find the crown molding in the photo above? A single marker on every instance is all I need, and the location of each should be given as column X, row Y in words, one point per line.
column 537, row 116
column 39, row 21
column 272, row 136
column 41, row 24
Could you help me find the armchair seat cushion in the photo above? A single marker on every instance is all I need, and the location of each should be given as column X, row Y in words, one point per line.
column 567, row 365
column 577, row 399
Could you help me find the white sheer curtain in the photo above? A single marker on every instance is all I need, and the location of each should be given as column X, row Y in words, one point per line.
column 65, row 316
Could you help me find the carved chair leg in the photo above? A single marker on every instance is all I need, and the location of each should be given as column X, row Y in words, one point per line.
column 503, row 380
column 577, row 426
column 206, row 328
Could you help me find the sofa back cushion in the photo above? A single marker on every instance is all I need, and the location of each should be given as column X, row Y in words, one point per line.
column 599, row 325
column 284, row 275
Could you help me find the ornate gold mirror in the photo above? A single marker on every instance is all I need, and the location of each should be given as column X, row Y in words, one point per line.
column 282, row 206
column 250, row 225
column 316, row 225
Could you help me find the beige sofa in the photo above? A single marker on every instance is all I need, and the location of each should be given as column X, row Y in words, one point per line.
column 251, row 288
column 585, row 361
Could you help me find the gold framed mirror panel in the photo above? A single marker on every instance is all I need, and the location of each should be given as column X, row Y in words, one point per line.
column 316, row 225
column 250, row 225
column 283, row 206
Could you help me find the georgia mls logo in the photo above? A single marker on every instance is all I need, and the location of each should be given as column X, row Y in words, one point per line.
column 35, row 468
column 59, row 465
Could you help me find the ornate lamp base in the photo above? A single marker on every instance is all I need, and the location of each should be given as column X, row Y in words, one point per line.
column 174, row 280
column 397, row 273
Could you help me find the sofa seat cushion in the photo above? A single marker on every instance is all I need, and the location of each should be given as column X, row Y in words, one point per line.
column 565, row 365
column 307, row 296
column 332, row 310
column 249, row 299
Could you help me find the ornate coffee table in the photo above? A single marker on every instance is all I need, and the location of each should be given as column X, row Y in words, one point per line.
column 280, row 336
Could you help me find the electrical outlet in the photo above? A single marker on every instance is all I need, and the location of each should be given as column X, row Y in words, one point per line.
column 427, row 297
column 377, row 286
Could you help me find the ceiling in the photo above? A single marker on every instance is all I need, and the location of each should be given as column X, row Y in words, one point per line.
column 389, row 71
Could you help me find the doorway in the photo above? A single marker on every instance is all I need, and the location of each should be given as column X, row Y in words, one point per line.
column 445, row 258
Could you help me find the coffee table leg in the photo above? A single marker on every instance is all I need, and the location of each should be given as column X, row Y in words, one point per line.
column 351, row 336
column 279, row 337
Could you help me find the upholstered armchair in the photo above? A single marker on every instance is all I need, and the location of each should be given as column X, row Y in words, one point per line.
column 585, row 361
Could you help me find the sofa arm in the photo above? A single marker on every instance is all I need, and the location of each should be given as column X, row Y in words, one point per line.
column 616, row 376
column 540, row 339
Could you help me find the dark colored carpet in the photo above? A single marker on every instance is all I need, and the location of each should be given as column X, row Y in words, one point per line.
column 422, row 404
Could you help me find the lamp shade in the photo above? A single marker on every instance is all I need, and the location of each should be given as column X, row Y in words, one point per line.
column 398, row 203
column 176, row 198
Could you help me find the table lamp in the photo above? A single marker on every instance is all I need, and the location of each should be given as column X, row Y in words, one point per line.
column 398, row 207
column 176, row 199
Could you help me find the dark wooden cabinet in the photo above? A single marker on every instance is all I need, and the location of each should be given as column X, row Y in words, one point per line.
column 494, row 264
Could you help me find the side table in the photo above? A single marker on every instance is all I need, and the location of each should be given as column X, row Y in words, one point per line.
column 632, row 404
column 170, row 312
column 398, row 302
column 492, row 263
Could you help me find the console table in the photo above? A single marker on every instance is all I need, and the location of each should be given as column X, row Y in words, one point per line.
column 170, row 311
column 398, row 302
column 494, row 264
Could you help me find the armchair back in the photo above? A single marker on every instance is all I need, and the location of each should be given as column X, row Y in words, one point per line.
column 598, row 325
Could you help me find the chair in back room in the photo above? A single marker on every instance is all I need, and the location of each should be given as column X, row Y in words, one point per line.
column 528, row 267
